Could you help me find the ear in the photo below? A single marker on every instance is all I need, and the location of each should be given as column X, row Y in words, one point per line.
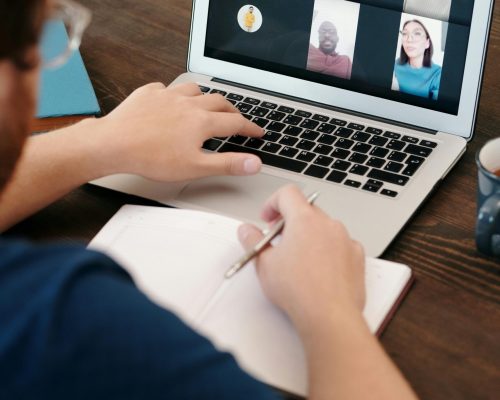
column 427, row 44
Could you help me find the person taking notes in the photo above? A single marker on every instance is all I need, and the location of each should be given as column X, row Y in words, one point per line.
column 74, row 325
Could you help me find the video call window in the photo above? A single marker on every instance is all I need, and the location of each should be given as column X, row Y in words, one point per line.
column 333, row 37
column 419, row 56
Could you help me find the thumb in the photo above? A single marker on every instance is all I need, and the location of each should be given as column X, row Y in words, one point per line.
column 231, row 164
column 249, row 235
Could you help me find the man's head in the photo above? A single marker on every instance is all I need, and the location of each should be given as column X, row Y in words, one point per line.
column 21, row 22
column 328, row 37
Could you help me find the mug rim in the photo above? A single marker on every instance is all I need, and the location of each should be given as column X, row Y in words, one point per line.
column 481, row 166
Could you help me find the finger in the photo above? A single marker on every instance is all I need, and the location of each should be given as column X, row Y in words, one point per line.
column 228, row 124
column 285, row 202
column 237, row 164
column 154, row 85
column 249, row 236
column 186, row 89
column 215, row 102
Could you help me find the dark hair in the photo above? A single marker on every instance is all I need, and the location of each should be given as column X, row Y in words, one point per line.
column 21, row 22
column 403, row 57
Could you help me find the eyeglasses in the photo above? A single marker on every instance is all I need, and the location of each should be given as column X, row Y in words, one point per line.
column 63, row 32
column 417, row 35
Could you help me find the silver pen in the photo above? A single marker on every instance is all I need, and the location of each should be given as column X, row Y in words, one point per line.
column 264, row 242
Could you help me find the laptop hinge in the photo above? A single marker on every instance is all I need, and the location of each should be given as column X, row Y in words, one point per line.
column 326, row 106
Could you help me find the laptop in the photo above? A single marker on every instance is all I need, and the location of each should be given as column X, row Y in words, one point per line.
column 371, row 103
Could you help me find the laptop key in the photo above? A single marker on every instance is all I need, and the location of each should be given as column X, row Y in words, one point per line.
column 338, row 122
column 212, row 144
column 392, row 135
column 341, row 165
column 271, row 136
column 356, row 127
column 306, row 156
column 285, row 109
column 288, row 140
column 271, row 106
column 352, row 183
column 396, row 145
column 341, row 153
column 360, row 136
column 418, row 150
column 410, row 139
column 392, row 166
column 323, row 149
column 379, row 152
column 251, row 100
column 344, row 143
column 415, row 160
column 373, row 185
column 378, row 141
column 247, row 116
column 234, row 96
column 254, row 143
column 374, row 131
column 276, row 126
column 324, row 161
column 233, row 102
column 362, row 147
column 396, row 156
column 358, row 169
column 309, row 135
column 289, row 152
column 259, row 111
column 388, row 177
column 375, row 162
column 303, row 114
column 316, row 171
column 389, row 193
column 320, row 118
column 344, row 132
column 309, row 124
column 292, row 130
column 358, row 158
column 204, row 89
column 262, row 122
column 292, row 120
column 428, row 143
column 267, row 158
column 326, row 128
column 336, row 176
column 271, row 147
column 243, row 107
column 218, row 91
column 327, row 139
column 276, row 115
column 305, row 144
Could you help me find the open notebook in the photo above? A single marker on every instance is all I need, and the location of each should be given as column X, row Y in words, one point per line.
column 179, row 257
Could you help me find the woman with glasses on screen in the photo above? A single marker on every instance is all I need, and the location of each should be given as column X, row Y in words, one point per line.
column 414, row 71
column 72, row 323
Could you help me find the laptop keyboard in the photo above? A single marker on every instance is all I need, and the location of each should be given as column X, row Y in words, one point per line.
column 323, row 147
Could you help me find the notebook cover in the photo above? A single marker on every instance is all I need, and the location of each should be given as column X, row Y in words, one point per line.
column 66, row 90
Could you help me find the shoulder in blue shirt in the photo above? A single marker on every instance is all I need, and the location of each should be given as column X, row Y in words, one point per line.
column 423, row 82
column 74, row 326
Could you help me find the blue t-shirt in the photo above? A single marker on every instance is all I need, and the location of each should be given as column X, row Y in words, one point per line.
column 423, row 82
column 74, row 326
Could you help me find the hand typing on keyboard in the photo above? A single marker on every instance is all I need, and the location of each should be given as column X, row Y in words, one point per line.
column 158, row 133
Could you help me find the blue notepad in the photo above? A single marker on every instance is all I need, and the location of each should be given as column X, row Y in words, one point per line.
column 67, row 90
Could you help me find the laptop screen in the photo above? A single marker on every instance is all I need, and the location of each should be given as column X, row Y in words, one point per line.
column 409, row 51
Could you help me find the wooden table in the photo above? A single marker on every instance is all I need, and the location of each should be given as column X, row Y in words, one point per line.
column 446, row 335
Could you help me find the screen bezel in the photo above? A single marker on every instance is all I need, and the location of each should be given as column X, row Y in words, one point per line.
column 461, row 124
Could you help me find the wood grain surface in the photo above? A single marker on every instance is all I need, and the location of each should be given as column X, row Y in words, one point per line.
column 446, row 335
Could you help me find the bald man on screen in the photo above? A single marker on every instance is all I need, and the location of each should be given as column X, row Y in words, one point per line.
column 325, row 59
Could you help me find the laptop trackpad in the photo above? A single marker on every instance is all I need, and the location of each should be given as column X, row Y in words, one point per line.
column 240, row 197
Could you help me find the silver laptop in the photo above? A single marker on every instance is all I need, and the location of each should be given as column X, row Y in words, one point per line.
column 371, row 103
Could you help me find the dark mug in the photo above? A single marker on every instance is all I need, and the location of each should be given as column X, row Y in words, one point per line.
column 488, row 199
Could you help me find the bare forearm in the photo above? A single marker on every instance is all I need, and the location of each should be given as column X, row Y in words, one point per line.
column 52, row 165
column 347, row 362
